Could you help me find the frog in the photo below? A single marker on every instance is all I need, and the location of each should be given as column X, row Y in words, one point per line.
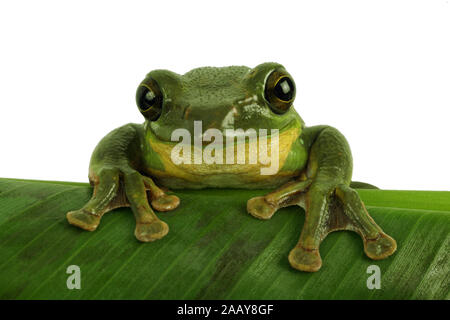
column 133, row 166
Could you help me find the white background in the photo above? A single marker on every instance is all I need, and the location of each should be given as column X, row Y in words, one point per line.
column 378, row 71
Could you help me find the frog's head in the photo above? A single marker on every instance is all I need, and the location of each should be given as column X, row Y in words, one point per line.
column 234, row 97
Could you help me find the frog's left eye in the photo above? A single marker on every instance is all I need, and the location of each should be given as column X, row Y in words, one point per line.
column 279, row 91
column 149, row 99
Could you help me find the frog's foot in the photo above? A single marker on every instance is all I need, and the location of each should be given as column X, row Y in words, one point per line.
column 148, row 225
column 106, row 185
column 160, row 201
column 332, row 208
column 305, row 259
column 265, row 207
column 83, row 219
column 260, row 208
column 377, row 244
column 147, row 232
column 379, row 248
column 126, row 188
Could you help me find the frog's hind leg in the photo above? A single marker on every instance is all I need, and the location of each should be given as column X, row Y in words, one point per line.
column 104, row 199
column 377, row 244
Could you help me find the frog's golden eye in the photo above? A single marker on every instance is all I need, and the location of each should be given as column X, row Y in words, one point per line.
column 279, row 91
column 149, row 99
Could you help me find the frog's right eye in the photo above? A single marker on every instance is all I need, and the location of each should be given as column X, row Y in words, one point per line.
column 149, row 99
column 280, row 91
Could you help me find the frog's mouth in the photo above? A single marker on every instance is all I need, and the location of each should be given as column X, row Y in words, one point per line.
column 189, row 156
column 197, row 133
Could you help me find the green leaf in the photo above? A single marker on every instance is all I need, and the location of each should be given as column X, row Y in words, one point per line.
column 214, row 249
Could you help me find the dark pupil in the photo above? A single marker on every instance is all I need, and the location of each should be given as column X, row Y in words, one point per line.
column 284, row 89
column 148, row 99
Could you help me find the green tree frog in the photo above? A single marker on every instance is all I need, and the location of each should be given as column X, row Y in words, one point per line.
column 133, row 165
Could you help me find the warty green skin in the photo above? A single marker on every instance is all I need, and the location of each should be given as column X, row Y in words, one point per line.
column 125, row 170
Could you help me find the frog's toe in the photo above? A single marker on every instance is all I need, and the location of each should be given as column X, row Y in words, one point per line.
column 381, row 247
column 147, row 232
column 83, row 220
column 305, row 260
column 165, row 203
column 377, row 244
column 160, row 201
column 260, row 208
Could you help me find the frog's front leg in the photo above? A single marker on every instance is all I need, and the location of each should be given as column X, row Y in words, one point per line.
column 330, row 204
column 117, row 183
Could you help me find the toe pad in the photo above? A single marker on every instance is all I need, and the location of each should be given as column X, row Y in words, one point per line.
column 259, row 208
column 147, row 232
column 165, row 203
column 305, row 260
column 380, row 248
column 83, row 220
